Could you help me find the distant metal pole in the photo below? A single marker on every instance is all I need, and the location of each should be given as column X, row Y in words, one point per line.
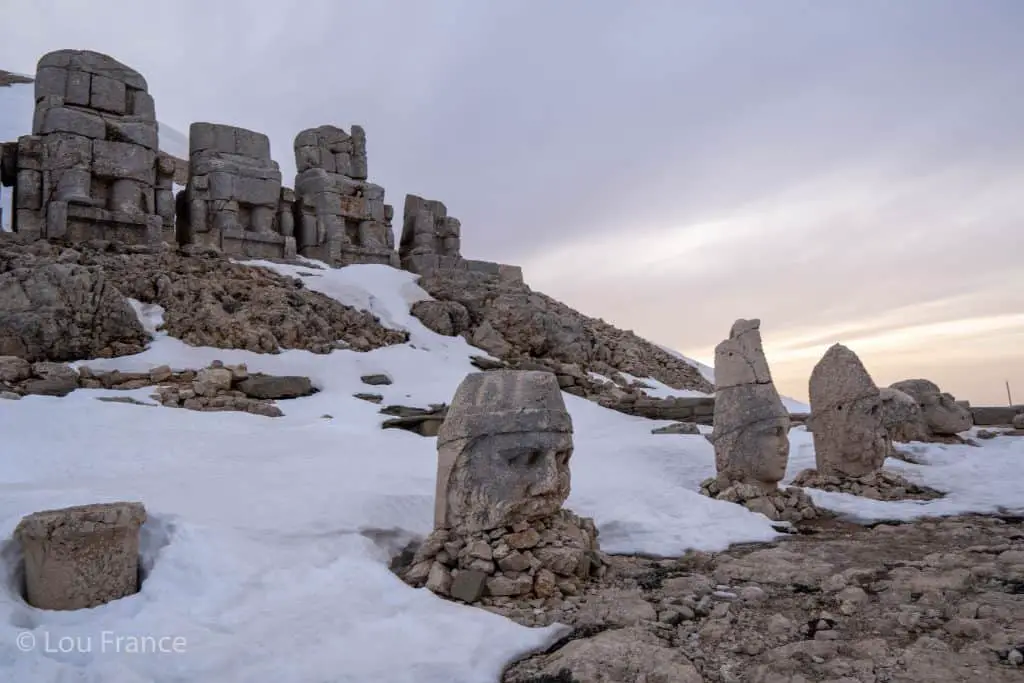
column 1008, row 396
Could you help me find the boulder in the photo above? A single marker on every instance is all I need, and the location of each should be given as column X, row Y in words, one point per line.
column 63, row 312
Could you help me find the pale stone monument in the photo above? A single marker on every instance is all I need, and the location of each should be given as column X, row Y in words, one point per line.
column 849, row 435
column 751, row 431
column 751, row 425
column 502, row 478
column 81, row 557
column 503, row 451
column 90, row 169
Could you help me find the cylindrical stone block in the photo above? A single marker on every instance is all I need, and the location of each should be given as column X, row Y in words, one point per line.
column 73, row 184
column 81, row 557
column 126, row 196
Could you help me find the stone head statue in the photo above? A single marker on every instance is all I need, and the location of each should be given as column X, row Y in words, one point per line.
column 751, row 425
column 503, row 451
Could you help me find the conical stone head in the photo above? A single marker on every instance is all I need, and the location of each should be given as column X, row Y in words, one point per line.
column 503, row 451
column 846, row 405
column 751, row 425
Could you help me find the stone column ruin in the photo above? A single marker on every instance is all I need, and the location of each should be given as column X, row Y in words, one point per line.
column 341, row 218
column 90, row 168
column 81, row 557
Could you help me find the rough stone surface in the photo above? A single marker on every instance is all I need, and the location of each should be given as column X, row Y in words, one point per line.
column 62, row 311
column 943, row 416
column 90, row 168
column 234, row 200
column 934, row 600
column 849, row 436
column 503, row 451
column 81, row 557
column 751, row 425
column 881, row 485
column 208, row 300
column 902, row 416
column 677, row 428
column 514, row 323
column 543, row 559
column 340, row 217
column 785, row 505
column 422, row 421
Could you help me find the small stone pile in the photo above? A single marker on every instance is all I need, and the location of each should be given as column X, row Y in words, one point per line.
column 788, row 505
column 500, row 532
column 541, row 559
column 20, row 378
column 881, row 485
column 230, row 387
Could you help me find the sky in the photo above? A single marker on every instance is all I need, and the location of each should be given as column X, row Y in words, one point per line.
column 848, row 171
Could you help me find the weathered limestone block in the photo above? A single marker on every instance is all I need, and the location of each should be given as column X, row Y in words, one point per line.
column 503, row 451
column 943, row 416
column 431, row 239
column 340, row 217
column 849, row 435
column 89, row 170
column 233, row 200
column 83, row 556
column 751, row 425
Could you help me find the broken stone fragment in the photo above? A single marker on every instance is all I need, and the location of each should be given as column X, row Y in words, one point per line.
column 81, row 556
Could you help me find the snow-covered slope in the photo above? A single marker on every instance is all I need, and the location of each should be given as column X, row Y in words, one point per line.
column 16, row 105
column 267, row 544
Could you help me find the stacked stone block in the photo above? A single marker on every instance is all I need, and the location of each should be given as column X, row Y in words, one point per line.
column 90, row 168
column 234, row 198
column 432, row 241
column 340, row 217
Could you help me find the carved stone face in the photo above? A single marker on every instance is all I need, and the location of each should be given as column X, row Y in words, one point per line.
column 498, row 480
column 759, row 454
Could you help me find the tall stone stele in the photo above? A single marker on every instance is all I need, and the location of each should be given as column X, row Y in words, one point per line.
column 751, row 425
column 234, row 200
column 850, row 438
column 91, row 168
column 81, row 557
column 341, row 218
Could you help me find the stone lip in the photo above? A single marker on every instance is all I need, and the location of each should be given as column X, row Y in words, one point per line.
column 80, row 520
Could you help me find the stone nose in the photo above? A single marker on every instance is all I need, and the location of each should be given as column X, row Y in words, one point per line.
column 547, row 475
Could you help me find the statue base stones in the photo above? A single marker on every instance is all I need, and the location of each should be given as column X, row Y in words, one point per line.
column 881, row 485
column 81, row 557
column 538, row 560
column 786, row 505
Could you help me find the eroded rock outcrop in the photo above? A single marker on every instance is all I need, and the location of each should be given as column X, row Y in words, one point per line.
column 207, row 300
column 51, row 310
column 512, row 322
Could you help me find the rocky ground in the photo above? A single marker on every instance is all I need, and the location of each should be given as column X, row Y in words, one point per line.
column 513, row 322
column 938, row 600
column 59, row 303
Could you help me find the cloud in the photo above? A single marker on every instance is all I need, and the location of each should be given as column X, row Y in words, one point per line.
column 844, row 169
